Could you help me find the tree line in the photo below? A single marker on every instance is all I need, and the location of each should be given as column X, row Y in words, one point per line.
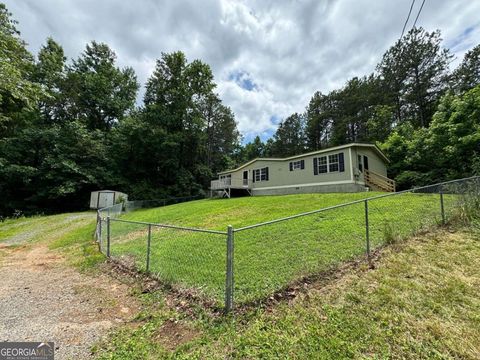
column 70, row 126
column 425, row 117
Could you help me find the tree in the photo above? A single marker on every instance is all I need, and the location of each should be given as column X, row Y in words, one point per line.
column 182, row 136
column 446, row 150
column 289, row 139
column 222, row 136
column 17, row 91
column 415, row 71
column 453, row 138
column 319, row 121
column 99, row 93
column 467, row 75
column 173, row 98
column 50, row 74
column 52, row 167
column 254, row 149
column 355, row 113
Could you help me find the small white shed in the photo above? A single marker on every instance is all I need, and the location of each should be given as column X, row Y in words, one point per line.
column 103, row 198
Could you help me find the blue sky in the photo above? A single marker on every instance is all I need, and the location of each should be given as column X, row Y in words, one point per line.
column 243, row 79
column 268, row 57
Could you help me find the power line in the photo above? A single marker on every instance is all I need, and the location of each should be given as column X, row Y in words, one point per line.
column 408, row 17
column 419, row 11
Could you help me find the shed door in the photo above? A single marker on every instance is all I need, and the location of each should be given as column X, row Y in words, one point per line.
column 105, row 199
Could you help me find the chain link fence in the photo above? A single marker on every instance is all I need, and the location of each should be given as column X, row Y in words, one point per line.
column 103, row 214
column 187, row 259
column 142, row 204
column 250, row 263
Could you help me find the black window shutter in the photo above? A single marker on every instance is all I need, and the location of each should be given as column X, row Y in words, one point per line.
column 266, row 173
column 291, row 166
column 253, row 177
column 302, row 164
column 315, row 166
column 341, row 162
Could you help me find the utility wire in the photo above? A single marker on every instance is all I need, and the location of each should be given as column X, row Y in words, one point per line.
column 408, row 17
column 419, row 11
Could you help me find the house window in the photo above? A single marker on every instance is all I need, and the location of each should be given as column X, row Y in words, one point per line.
column 360, row 165
column 322, row 165
column 327, row 164
column 297, row 165
column 333, row 163
column 260, row 174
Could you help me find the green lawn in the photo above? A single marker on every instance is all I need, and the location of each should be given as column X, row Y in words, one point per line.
column 421, row 301
column 72, row 233
column 271, row 257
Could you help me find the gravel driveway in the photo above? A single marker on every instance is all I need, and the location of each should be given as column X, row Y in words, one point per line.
column 43, row 299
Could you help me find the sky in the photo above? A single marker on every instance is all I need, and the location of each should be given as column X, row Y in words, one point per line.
column 268, row 57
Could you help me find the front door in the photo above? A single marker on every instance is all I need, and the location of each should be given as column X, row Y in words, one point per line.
column 245, row 177
column 365, row 162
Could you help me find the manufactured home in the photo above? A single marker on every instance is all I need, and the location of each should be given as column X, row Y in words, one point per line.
column 347, row 168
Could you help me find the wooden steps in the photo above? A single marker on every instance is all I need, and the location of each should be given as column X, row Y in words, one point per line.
column 378, row 182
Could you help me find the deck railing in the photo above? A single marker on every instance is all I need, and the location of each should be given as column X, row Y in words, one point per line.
column 236, row 183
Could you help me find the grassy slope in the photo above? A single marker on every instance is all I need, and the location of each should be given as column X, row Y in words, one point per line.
column 71, row 233
column 218, row 213
column 271, row 257
column 421, row 301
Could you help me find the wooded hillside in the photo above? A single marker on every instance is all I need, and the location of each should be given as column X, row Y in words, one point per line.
column 70, row 126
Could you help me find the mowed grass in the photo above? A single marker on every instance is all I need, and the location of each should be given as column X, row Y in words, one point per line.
column 421, row 301
column 70, row 233
column 24, row 230
column 268, row 258
column 217, row 214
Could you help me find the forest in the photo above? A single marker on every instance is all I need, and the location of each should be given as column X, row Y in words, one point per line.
column 70, row 126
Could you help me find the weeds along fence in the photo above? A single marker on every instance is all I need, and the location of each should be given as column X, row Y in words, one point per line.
column 251, row 263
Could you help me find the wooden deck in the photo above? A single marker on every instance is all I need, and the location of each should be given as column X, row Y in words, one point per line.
column 230, row 184
column 226, row 186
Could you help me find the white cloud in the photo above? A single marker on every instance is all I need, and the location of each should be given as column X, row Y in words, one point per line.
column 289, row 49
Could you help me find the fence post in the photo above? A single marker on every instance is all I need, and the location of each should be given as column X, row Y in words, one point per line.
column 229, row 277
column 148, row 246
column 108, row 236
column 442, row 207
column 367, row 230
column 99, row 227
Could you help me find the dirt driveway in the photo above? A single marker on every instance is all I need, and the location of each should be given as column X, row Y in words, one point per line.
column 43, row 299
